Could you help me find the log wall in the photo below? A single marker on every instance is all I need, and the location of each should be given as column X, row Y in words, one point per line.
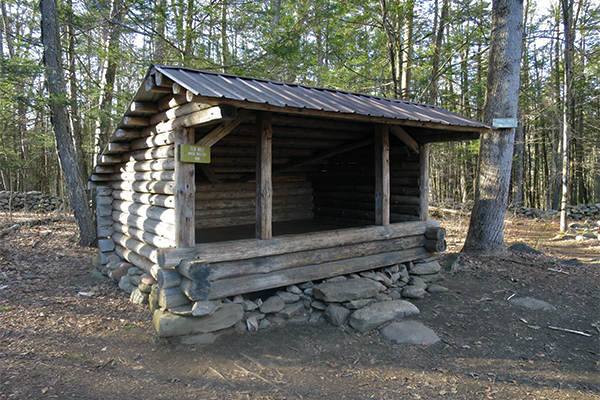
column 344, row 190
column 230, row 204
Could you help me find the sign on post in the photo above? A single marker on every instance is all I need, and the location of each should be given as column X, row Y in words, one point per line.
column 194, row 154
column 505, row 123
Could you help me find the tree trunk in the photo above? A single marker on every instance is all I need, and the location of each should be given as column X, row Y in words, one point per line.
column 496, row 147
column 437, row 51
column 109, row 70
column 60, row 121
column 567, row 10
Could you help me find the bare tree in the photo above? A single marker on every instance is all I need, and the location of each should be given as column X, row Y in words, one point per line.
column 486, row 228
column 67, row 154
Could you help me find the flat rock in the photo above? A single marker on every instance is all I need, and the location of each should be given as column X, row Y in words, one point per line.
column 288, row 297
column 249, row 305
column 273, row 304
column 437, row 289
column 433, row 278
column 294, row 289
column 336, row 315
column 532, row 304
column 523, row 248
column 358, row 304
column 318, row 305
column 205, row 307
column 409, row 332
column 413, row 292
column 167, row 324
column 377, row 314
column 428, row 268
column 417, row 281
column 291, row 309
column 347, row 290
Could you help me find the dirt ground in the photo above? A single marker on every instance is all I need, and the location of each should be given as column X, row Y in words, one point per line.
column 65, row 336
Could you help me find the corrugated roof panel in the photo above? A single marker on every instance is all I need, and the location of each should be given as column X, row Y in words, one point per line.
column 217, row 85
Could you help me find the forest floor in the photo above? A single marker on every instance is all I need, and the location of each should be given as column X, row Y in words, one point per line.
column 65, row 336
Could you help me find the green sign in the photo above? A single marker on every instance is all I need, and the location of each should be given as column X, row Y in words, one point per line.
column 194, row 154
column 505, row 122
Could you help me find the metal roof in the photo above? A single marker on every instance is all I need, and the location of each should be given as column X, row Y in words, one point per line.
column 216, row 86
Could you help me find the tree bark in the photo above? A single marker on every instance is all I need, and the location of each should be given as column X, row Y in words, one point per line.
column 60, row 122
column 567, row 10
column 486, row 227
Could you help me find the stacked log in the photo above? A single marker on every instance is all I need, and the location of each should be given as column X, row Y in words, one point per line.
column 229, row 204
column 344, row 191
column 246, row 266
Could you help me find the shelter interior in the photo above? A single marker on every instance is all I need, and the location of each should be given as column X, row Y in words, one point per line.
column 323, row 178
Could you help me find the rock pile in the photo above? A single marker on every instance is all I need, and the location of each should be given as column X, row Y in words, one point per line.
column 29, row 201
column 365, row 301
column 583, row 231
column 579, row 212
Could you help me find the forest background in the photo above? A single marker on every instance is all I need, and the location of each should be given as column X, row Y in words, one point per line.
column 433, row 51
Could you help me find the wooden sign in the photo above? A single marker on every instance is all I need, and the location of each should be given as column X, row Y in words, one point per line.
column 194, row 154
column 505, row 122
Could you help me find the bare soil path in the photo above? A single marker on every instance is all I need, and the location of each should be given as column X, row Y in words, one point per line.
column 65, row 336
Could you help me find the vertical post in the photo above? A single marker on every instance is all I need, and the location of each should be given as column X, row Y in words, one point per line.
column 424, row 181
column 382, row 175
column 185, row 193
column 264, row 185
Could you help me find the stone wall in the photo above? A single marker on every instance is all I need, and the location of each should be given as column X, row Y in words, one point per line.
column 29, row 201
column 363, row 301
column 579, row 212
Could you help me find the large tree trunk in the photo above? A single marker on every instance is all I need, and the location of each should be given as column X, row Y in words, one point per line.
column 60, row 121
column 486, row 228
column 109, row 71
column 567, row 10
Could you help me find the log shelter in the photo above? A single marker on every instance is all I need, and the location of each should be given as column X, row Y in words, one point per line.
column 302, row 183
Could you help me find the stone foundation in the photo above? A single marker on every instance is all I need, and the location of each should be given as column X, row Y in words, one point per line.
column 364, row 301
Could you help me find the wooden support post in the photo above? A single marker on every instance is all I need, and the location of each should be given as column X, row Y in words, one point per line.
column 264, row 185
column 424, row 181
column 185, row 191
column 382, row 175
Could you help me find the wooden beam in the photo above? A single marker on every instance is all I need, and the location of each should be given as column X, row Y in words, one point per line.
column 382, row 175
column 335, row 115
column 127, row 134
column 185, row 190
column 144, row 108
column 264, row 184
column 252, row 248
column 170, row 102
column 257, row 282
column 112, row 148
column 223, row 129
column 162, row 80
column 151, row 86
column 209, row 115
column 405, row 138
column 135, row 121
column 424, row 181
